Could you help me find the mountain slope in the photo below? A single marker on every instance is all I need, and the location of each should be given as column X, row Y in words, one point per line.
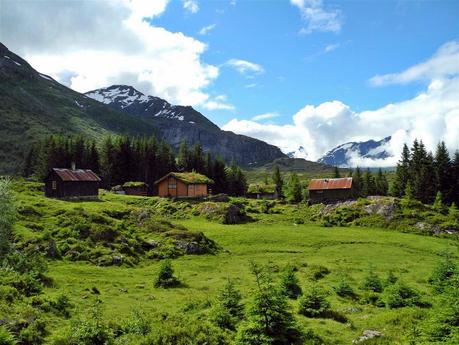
column 176, row 123
column 340, row 155
column 33, row 105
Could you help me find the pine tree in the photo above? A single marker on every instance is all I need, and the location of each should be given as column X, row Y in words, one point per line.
column 183, row 158
column 294, row 190
column 455, row 179
column 228, row 310
column 402, row 174
column 278, row 181
column 438, row 203
column 219, row 176
column 29, row 163
column 357, row 182
column 381, row 183
column 197, row 159
column 369, row 185
column 443, row 165
column 107, row 160
column 336, row 173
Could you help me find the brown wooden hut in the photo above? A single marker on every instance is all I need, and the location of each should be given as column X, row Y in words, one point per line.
column 330, row 189
column 183, row 185
column 72, row 184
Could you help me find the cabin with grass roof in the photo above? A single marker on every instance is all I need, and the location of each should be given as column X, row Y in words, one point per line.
column 262, row 191
column 184, row 185
column 135, row 188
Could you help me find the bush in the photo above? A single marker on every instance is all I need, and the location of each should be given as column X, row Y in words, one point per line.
column 6, row 338
column 7, row 216
column 445, row 270
column 372, row 281
column 401, row 295
column 317, row 272
column 229, row 309
column 137, row 324
column 372, row 298
column 314, row 303
column 343, row 289
column 289, row 283
column 391, row 278
column 165, row 278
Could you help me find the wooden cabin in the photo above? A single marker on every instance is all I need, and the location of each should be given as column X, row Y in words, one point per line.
column 330, row 190
column 72, row 184
column 135, row 188
column 183, row 185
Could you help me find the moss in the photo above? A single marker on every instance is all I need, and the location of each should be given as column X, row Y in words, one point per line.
column 192, row 177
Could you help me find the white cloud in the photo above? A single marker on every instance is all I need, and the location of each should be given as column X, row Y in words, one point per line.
column 265, row 116
column 244, row 66
column 444, row 64
column 249, row 86
column 92, row 44
column 432, row 115
column 191, row 6
column 218, row 103
column 317, row 17
column 331, row 47
column 207, row 29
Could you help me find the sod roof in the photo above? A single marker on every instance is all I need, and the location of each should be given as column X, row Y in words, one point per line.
column 188, row 178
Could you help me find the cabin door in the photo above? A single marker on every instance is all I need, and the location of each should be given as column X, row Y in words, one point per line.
column 191, row 190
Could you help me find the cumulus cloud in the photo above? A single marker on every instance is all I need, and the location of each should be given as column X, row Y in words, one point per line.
column 218, row 103
column 265, row 116
column 318, row 18
column 92, row 44
column 207, row 29
column 191, row 6
column 444, row 64
column 244, row 66
column 432, row 115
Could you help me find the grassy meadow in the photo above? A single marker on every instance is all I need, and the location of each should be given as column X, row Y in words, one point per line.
column 321, row 255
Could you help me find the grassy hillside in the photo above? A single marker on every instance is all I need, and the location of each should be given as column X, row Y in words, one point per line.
column 82, row 239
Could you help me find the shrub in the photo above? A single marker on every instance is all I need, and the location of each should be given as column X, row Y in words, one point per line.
column 391, row 278
column 401, row 295
column 269, row 320
column 165, row 278
column 6, row 338
column 372, row 281
column 229, row 309
column 445, row 270
column 372, row 298
column 343, row 289
column 317, row 272
column 314, row 303
column 7, row 216
column 137, row 324
column 289, row 283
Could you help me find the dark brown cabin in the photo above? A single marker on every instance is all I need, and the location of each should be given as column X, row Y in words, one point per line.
column 183, row 185
column 72, row 184
column 330, row 190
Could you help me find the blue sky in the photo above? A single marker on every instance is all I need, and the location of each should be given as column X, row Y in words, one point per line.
column 310, row 73
column 376, row 37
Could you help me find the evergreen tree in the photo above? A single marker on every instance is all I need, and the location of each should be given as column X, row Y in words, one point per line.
column 219, row 176
column 107, row 161
column 183, row 158
column 369, row 185
column 237, row 183
column 294, row 190
column 336, row 173
column 93, row 158
column 208, row 165
column 455, row 179
column 29, row 163
column 289, row 283
column 381, row 184
column 443, row 170
column 438, row 203
column 269, row 320
column 197, row 159
column 350, row 173
column 228, row 310
column 357, row 181
column 278, row 181
column 402, row 174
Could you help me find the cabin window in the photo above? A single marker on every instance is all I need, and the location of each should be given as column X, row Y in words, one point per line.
column 54, row 185
column 172, row 186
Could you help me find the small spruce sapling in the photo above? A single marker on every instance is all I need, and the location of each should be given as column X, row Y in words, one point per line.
column 166, row 278
column 289, row 283
column 228, row 310
column 314, row 302
column 372, row 282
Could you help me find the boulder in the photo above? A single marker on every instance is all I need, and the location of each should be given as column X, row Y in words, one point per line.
column 367, row 334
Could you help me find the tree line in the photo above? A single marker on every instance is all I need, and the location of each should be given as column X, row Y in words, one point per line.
column 424, row 176
column 120, row 159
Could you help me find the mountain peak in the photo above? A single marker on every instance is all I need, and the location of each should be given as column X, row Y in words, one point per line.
column 122, row 95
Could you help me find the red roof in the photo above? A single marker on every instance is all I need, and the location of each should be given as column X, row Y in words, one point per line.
column 331, row 183
column 77, row 175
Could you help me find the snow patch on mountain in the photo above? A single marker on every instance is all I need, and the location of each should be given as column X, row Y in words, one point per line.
column 358, row 153
column 298, row 153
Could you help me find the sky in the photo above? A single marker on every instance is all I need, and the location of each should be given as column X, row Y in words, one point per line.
column 311, row 73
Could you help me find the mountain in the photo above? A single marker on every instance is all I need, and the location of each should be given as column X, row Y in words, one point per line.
column 33, row 105
column 176, row 123
column 299, row 153
column 299, row 165
column 340, row 155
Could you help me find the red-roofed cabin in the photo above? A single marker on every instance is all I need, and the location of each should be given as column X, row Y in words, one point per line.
column 183, row 185
column 72, row 184
column 330, row 189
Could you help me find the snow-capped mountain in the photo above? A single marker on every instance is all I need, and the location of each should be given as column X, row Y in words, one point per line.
column 175, row 123
column 341, row 155
column 298, row 153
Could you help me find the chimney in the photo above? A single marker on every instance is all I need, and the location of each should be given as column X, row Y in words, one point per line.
column 73, row 166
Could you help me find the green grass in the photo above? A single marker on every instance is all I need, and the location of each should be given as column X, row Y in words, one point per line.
column 273, row 240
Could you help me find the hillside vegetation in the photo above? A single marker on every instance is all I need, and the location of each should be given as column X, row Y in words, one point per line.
column 95, row 272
